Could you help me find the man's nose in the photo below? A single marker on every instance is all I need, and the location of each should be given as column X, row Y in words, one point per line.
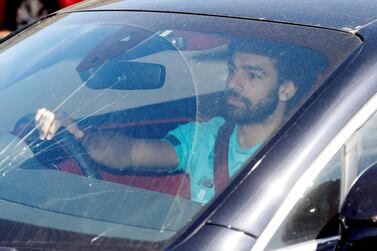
column 235, row 82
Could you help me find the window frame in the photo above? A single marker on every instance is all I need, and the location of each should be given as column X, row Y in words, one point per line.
column 312, row 245
column 344, row 138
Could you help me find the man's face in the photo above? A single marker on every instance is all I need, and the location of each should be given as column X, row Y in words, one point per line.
column 252, row 90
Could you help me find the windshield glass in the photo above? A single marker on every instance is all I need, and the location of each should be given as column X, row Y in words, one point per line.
column 126, row 125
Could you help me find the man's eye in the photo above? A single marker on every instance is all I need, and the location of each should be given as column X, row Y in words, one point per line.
column 254, row 76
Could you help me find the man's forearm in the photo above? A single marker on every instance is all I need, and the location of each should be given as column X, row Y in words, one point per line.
column 110, row 149
column 120, row 151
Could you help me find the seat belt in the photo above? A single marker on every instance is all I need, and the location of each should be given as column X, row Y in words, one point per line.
column 221, row 153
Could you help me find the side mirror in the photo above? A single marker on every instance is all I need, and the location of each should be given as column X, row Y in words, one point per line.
column 124, row 75
column 358, row 214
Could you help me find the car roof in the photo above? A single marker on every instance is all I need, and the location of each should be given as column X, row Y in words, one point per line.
column 333, row 14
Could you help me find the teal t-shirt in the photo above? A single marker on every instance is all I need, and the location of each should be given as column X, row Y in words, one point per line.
column 196, row 155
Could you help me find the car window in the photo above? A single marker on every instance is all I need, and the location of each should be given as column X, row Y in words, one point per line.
column 135, row 85
column 366, row 149
column 315, row 214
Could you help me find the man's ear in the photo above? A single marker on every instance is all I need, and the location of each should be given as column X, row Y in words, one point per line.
column 287, row 90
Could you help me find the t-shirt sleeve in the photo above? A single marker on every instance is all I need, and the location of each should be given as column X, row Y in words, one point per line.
column 181, row 139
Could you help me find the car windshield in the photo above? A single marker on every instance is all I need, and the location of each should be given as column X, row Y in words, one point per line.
column 194, row 85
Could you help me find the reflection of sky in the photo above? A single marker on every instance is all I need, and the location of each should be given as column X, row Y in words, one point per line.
column 50, row 87
column 40, row 57
column 47, row 47
column 44, row 70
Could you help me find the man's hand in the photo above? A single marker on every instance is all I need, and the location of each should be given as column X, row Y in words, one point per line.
column 111, row 149
column 49, row 123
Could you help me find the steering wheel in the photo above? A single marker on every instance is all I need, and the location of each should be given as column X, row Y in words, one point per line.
column 70, row 144
column 76, row 152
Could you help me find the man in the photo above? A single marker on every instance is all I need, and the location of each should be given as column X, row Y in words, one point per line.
column 259, row 85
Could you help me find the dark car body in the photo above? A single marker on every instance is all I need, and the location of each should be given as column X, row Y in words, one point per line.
column 253, row 207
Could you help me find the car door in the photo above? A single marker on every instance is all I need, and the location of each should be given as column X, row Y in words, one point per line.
column 313, row 222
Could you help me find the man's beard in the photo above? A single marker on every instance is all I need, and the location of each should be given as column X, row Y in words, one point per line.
column 250, row 114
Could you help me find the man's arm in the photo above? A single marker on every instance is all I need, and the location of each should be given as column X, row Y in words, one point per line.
column 120, row 151
column 111, row 149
